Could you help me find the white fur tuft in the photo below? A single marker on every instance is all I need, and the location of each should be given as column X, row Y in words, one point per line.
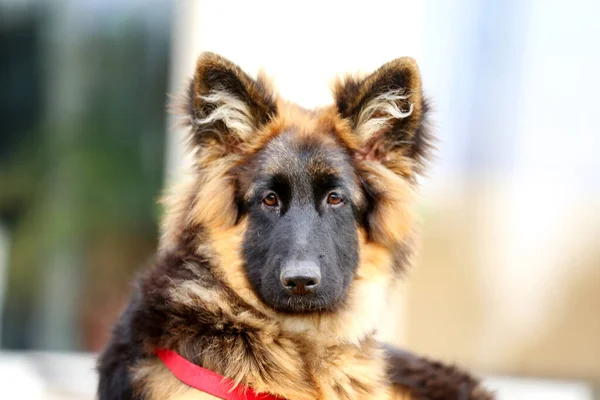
column 234, row 113
column 379, row 111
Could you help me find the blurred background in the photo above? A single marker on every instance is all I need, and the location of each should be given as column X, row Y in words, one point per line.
column 508, row 280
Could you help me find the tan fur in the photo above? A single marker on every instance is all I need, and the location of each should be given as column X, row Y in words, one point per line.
column 336, row 359
column 197, row 299
column 158, row 383
column 212, row 205
column 344, row 375
column 176, row 204
column 397, row 198
column 328, row 355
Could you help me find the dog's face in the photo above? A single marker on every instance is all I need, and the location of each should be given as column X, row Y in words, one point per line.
column 301, row 245
column 310, row 188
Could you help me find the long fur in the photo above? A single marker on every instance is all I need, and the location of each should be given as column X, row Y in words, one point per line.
column 197, row 298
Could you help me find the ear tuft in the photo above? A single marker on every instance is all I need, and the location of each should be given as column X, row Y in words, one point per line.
column 380, row 112
column 225, row 105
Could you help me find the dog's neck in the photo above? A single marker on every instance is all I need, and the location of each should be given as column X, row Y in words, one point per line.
column 334, row 355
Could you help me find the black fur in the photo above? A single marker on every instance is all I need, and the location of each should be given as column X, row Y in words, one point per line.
column 431, row 380
column 303, row 226
column 145, row 320
column 120, row 355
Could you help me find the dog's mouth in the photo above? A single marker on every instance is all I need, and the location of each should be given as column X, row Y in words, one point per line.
column 324, row 299
column 303, row 303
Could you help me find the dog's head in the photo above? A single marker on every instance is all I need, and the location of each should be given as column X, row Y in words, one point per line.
column 296, row 205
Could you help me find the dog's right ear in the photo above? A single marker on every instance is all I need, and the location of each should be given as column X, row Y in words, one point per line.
column 226, row 106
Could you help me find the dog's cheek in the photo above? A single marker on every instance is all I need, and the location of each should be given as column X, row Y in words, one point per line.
column 389, row 218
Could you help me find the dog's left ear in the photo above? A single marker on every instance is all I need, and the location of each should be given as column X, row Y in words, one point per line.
column 387, row 112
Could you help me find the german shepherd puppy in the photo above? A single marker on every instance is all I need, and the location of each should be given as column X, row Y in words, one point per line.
column 278, row 253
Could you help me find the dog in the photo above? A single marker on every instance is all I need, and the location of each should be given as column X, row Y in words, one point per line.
column 280, row 248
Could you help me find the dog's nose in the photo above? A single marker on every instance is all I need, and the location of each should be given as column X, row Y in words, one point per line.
column 300, row 277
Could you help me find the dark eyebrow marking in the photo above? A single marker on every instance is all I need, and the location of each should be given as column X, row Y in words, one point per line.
column 328, row 181
column 279, row 183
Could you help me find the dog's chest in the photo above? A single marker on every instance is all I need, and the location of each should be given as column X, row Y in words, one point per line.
column 350, row 373
column 339, row 374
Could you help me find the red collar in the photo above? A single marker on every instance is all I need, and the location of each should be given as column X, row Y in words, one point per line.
column 208, row 381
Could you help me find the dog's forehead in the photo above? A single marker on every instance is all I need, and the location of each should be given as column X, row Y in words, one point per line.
column 302, row 158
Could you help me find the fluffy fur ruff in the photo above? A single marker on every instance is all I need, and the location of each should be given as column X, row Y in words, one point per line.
column 196, row 298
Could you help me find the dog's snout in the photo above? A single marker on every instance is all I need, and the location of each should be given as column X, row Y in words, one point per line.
column 300, row 277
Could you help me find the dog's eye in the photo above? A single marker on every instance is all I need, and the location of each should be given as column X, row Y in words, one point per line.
column 271, row 200
column 334, row 199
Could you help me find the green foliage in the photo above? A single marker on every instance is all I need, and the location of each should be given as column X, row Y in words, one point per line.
column 86, row 172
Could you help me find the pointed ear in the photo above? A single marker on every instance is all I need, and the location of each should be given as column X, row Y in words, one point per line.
column 387, row 112
column 225, row 105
